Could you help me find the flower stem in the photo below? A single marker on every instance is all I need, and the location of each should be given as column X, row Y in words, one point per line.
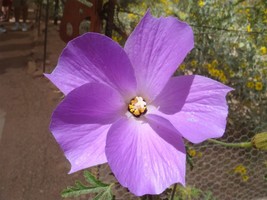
column 235, row 145
column 173, row 191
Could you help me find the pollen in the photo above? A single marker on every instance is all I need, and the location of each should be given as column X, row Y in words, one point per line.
column 137, row 106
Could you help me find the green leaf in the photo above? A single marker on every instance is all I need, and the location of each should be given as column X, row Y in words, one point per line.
column 106, row 195
column 92, row 180
column 77, row 191
column 96, row 186
column 79, row 184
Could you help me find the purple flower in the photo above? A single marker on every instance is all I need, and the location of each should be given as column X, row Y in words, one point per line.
column 123, row 107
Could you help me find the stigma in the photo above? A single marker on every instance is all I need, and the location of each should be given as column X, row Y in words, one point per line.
column 137, row 106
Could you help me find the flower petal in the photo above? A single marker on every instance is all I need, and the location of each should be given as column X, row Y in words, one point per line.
column 74, row 123
column 82, row 144
column 93, row 57
column 172, row 98
column 196, row 106
column 156, row 48
column 141, row 159
column 89, row 104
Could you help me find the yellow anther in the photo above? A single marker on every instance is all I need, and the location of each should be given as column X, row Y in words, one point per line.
column 136, row 113
column 131, row 107
column 137, row 106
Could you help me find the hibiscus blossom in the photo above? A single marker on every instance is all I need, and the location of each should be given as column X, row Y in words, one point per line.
column 123, row 106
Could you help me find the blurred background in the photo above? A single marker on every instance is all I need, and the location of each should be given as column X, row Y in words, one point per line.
column 230, row 46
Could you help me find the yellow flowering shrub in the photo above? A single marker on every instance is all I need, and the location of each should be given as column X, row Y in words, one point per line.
column 258, row 86
column 263, row 50
column 201, row 3
column 241, row 171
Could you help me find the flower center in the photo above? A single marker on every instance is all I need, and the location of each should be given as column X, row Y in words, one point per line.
column 137, row 106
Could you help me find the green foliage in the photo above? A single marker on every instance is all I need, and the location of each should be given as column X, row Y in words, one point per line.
column 103, row 190
column 189, row 158
column 92, row 180
column 191, row 193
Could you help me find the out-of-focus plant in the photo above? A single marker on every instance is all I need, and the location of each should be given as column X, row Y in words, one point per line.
column 191, row 192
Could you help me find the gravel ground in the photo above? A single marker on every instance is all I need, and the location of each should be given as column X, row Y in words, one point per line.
column 32, row 167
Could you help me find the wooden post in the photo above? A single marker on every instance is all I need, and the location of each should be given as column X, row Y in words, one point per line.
column 45, row 36
column 110, row 17
column 56, row 11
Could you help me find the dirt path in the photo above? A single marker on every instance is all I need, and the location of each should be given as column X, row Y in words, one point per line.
column 32, row 167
